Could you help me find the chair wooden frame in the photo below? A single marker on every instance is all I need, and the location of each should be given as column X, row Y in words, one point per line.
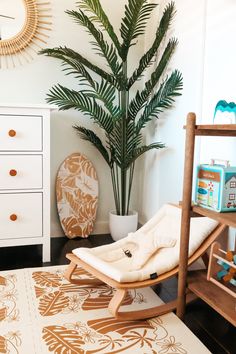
column 123, row 288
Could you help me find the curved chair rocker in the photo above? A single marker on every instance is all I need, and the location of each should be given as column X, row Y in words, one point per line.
column 144, row 258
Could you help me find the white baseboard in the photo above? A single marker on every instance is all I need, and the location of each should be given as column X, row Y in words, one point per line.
column 141, row 222
column 101, row 227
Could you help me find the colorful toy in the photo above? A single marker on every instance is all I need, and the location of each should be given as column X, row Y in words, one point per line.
column 225, row 113
column 228, row 273
column 216, row 187
column 222, row 269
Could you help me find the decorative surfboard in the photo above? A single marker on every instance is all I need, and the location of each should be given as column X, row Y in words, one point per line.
column 77, row 195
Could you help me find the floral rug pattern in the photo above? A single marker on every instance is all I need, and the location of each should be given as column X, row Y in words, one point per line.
column 40, row 312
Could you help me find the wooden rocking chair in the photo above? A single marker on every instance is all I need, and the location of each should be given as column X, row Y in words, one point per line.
column 123, row 287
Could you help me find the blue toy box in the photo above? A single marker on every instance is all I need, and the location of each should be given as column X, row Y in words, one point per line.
column 216, row 187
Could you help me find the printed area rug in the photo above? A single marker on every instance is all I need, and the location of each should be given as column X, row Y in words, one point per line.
column 40, row 312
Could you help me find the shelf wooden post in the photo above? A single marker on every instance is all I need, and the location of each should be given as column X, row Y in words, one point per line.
column 186, row 209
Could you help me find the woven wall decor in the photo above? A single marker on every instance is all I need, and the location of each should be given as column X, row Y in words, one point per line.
column 24, row 28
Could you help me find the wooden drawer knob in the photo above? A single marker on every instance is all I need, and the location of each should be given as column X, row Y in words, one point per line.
column 12, row 173
column 13, row 217
column 12, row 133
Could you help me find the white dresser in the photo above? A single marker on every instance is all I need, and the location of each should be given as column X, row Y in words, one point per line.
column 25, row 177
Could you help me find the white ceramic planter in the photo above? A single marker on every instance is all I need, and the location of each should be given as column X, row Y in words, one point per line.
column 121, row 225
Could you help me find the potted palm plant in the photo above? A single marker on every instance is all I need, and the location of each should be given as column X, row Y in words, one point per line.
column 107, row 100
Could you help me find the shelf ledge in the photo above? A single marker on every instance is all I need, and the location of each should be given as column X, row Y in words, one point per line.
column 215, row 130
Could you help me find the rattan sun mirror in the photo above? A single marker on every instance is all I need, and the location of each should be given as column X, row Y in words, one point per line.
column 23, row 27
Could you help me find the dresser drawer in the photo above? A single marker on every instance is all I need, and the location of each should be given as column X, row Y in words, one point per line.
column 20, row 133
column 21, row 172
column 20, row 215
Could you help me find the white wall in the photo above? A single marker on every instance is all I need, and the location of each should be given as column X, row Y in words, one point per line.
column 163, row 169
column 219, row 73
column 206, row 56
column 219, row 77
column 206, row 79
column 30, row 82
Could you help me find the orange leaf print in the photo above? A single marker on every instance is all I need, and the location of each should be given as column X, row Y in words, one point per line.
column 102, row 301
column 69, row 182
column 39, row 291
column 72, row 203
column 73, row 226
column 73, row 163
column 88, row 168
column 77, row 195
column 53, row 303
column 47, row 279
column 59, row 190
column 80, row 271
column 61, row 340
column 3, row 345
column 111, row 324
column 87, row 229
column 3, row 314
column 3, row 281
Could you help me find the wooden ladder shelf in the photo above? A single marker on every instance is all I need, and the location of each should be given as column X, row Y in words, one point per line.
column 209, row 292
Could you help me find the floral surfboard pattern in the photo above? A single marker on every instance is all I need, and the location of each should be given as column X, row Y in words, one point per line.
column 77, row 195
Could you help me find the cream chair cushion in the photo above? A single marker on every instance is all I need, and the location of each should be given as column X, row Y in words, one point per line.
column 165, row 226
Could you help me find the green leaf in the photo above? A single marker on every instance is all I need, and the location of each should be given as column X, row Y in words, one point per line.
column 133, row 139
column 64, row 52
column 99, row 16
column 146, row 59
column 106, row 93
column 89, row 135
column 141, row 98
column 141, row 150
column 103, row 48
column 76, row 68
column 137, row 13
column 106, row 100
column 102, row 91
column 163, row 99
column 115, row 140
column 66, row 99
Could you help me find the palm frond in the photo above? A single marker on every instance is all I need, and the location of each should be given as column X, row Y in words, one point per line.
column 102, row 91
column 64, row 52
column 141, row 150
column 147, row 59
column 115, row 141
column 106, row 93
column 89, row 135
column 76, row 68
column 137, row 12
column 141, row 97
column 134, row 139
column 66, row 99
column 99, row 16
column 106, row 100
column 103, row 48
column 163, row 99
